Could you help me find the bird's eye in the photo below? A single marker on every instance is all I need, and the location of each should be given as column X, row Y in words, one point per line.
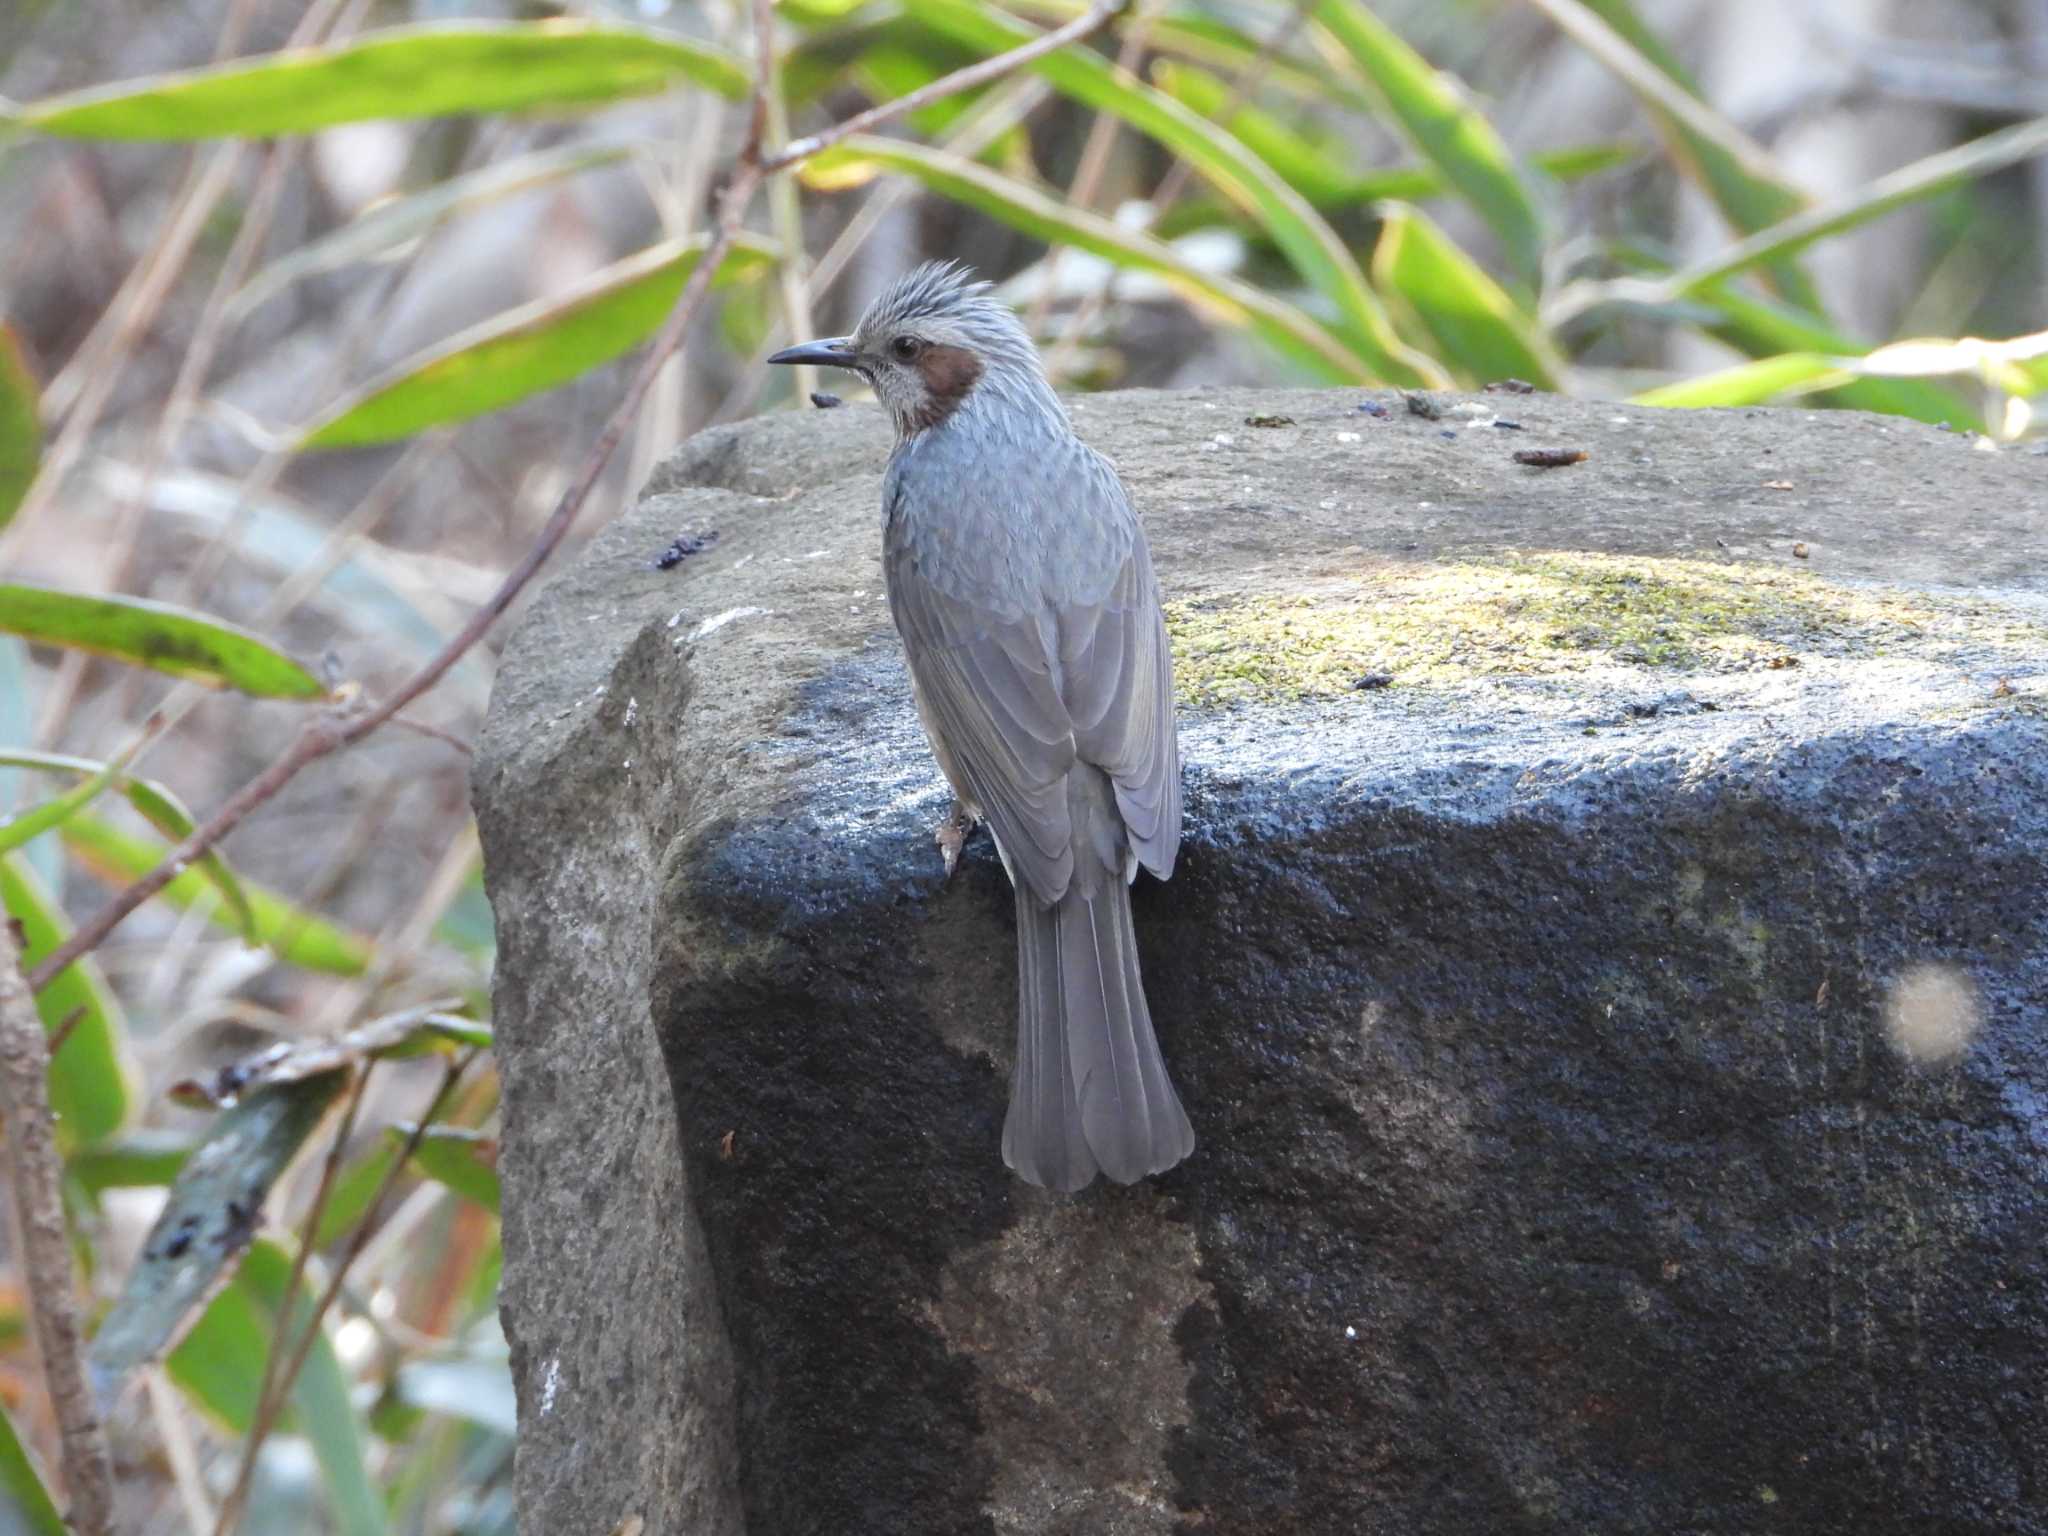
column 906, row 348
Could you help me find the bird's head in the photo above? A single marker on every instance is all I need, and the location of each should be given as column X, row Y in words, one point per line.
column 929, row 344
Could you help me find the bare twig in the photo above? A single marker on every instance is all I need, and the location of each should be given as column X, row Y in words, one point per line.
column 1174, row 183
column 329, row 1170
column 46, row 1246
column 340, row 728
column 82, row 389
column 785, row 212
column 1094, row 162
column 1093, row 20
column 278, row 1383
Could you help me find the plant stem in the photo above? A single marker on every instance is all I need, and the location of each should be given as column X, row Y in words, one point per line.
column 46, row 1245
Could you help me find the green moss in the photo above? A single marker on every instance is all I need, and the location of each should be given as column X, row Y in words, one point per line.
column 1524, row 615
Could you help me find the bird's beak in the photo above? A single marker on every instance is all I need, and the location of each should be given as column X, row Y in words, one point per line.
column 833, row 352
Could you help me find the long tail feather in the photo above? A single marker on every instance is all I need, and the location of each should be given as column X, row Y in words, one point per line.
column 1091, row 1091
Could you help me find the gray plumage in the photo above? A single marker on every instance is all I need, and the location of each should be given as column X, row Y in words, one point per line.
column 1020, row 582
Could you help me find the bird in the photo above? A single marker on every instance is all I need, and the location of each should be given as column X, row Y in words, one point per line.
column 1021, row 584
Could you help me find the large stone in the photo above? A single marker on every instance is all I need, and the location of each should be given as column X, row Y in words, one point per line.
column 1614, row 1030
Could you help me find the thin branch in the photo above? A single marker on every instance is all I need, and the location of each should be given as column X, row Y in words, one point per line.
column 1174, row 183
column 1093, row 20
column 329, row 1171
column 278, row 1384
column 1094, row 162
column 341, row 728
column 46, row 1246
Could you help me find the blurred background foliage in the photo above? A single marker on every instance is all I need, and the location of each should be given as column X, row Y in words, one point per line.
column 307, row 311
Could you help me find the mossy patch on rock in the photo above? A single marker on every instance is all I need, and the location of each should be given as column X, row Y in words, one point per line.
column 1550, row 613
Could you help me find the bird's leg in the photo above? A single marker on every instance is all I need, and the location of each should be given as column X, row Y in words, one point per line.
column 953, row 833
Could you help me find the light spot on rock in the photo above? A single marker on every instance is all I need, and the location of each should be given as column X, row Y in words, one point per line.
column 1068, row 1319
column 1932, row 1013
column 550, row 1384
column 718, row 621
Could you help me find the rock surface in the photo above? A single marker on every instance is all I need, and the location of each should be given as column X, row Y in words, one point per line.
column 1607, row 971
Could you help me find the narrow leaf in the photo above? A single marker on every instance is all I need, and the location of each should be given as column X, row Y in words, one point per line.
column 25, row 1503
column 437, row 70
column 1764, row 330
column 528, row 350
column 1734, row 171
column 1450, row 133
column 1043, row 216
column 1751, row 383
column 93, row 1079
column 212, row 1212
column 159, row 636
column 145, row 1159
column 348, row 1203
column 464, row 1160
column 1924, row 178
column 394, row 221
column 162, row 809
column 54, row 813
column 1318, row 176
column 380, row 593
column 296, row 936
column 221, row 1365
column 1310, row 245
column 1212, row 42
column 21, row 426
column 1475, row 323
column 409, row 1032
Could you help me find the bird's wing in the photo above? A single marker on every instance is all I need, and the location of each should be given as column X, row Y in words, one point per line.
column 1117, row 684
column 986, row 683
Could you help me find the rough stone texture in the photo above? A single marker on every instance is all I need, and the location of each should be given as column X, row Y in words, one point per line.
column 1557, row 1170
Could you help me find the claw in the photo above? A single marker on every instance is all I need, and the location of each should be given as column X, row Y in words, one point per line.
column 952, row 835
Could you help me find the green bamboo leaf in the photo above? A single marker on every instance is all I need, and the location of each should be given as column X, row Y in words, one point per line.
column 437, row 70
column 162, row 809
column 18, row 830
column 93, row 1079
column 1449, row 132
column 464, row 1160
column 1310, row 245
column 159, row 636
column 1212, row 42
column 1318, row 176
column 531, row 349
column 417, row 1031
column 221, row 1362
column 25, row 1503
column 1044, row 217
column 1735, row 173
column 296, row 936
column 1405, row 184
column 1764, row 329
column 378, row 592
column 1753, row 383
column 1997, row 364
column 395, row 221
column 1924, row 178
column 146, row 1159
column 1475, row 323
column 355, row 1188
column 21, row 426
column 213, row 1210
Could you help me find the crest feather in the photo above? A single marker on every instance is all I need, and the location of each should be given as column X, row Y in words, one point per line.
column 938, row 290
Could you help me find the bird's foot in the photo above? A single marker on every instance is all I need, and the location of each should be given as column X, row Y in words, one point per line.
column 952, row 835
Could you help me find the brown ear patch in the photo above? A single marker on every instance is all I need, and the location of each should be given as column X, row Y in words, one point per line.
column 948, row 374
